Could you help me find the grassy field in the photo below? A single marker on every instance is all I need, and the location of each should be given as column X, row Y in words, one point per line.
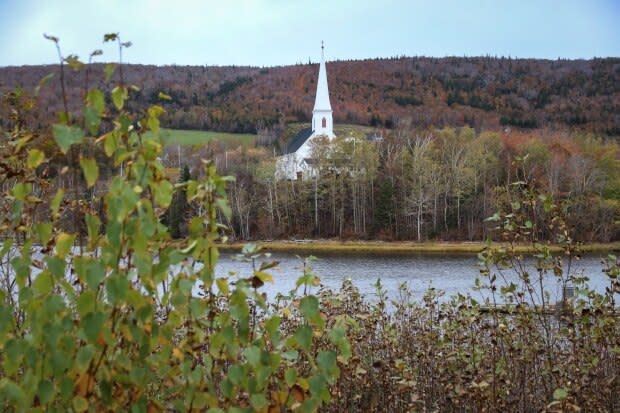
column 340, row 129
column 233, row 140
column 198, row 137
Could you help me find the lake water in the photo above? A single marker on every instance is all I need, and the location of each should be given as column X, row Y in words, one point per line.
column 453, row 273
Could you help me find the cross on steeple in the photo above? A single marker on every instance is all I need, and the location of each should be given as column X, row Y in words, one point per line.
column 322, row 121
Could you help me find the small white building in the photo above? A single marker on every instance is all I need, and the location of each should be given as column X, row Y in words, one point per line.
column 297, row 157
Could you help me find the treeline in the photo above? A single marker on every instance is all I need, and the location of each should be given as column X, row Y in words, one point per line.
column 438, row 184
column 483, row 92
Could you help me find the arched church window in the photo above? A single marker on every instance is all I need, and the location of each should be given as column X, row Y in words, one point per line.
column 324, row 122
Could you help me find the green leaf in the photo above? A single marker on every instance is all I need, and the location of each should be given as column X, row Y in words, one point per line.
column 222, row 286
column 236, row 374
column 45, row 391
column 84, row 356
column 13, row 392
column 13, row 352
column 154, row 113
column 223, row 206
column 338, row 336
column 318, row 387
column 95, row 273
column 227, row 388
column 64, row 117
column 55, row 203
column 111, row 142
column 290, row 376
column 303, row 337
column 92, row 224
column 42, row 83
column 92, row 119
column 119, row 96
column 35, row 158
column 90, row 169
column 258, row 401
column 21, row 190
column 66, row 388
column 96, row 100
column 163, row 193
column 309, row 307
column 117, row 287
column 43, row 231
column 80, row 404
column 137, row 374
column 74, row 63
column 86, row 302
column 327, row 362
column 252, row 355
column 108, row 71
column 560, row 394
column 43, row 283
column 64, row 242
column 56, row 266
column 92, row 324
column 66, row 136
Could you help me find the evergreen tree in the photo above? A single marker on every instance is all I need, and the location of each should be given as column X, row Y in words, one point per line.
column 384, row 210
column 178, row 206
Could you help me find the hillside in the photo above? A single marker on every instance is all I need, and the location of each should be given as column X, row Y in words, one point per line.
column 483, row 92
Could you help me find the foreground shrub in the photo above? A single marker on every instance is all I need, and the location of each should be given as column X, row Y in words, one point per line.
column 101, row 310
column 517, row 350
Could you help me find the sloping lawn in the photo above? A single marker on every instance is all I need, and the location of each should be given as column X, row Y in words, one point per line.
column 198, row 137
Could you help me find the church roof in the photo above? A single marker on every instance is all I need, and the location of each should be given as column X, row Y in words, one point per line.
column 298, row 140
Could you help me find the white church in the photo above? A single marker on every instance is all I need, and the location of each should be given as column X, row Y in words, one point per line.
column 297, row 157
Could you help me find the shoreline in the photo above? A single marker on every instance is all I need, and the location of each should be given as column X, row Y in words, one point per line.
column 397, row 247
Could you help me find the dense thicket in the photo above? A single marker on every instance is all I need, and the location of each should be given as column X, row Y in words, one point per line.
column 483, row 92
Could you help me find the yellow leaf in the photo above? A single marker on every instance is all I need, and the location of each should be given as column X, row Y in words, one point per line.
column 35, row 158
column 263, row 276
column 84, row 384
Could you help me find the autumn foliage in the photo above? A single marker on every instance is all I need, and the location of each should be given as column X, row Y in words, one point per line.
column 482, row 92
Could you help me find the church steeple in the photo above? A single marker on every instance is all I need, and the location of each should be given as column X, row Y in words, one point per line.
column 322, row 122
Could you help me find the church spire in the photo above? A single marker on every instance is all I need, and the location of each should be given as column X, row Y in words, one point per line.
column 322, row 123
column 321, row 102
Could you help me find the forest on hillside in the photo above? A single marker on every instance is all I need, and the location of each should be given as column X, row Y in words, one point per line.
column 486, row 93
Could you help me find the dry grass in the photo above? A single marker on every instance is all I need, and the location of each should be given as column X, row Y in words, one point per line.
column 378, row 247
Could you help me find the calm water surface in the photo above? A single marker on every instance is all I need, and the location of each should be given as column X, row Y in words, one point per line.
column 450, row 273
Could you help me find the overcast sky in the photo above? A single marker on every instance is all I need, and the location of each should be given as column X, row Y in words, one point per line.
column 282, row 32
